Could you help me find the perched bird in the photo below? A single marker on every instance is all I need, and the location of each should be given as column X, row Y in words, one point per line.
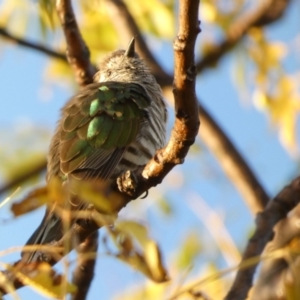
column 110, row 126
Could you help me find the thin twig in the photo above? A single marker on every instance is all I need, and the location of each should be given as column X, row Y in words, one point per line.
column 31, row 45
column 84, row 272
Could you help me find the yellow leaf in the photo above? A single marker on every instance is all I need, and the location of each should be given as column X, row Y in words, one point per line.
column 165, row 207
column 276, row 51
column 208, row 12
column 153, row 16
column 32, row 201
column 154, row 263
column 45, row 281
column 260, row 99
column 92, row 193
column 17, row 168
column 148, row 291
column 59, row 71
column 283, row 105
column 135, row 230
column 148, row 260
column 189, row 250
column 53, row 192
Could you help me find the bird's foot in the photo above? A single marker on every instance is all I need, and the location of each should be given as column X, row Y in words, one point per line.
column 127, row 183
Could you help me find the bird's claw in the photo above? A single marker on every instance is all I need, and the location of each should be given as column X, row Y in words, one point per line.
column 127, row 184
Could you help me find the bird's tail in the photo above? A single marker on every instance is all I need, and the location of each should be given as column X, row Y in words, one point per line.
column 49, row 231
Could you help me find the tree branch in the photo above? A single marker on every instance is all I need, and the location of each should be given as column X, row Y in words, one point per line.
column 186, row 108
column 268, row 12
column 78, row 54
column 87, row 77
column 183, row 133
column 276, row 210
column 278, row 273
column 84, row 272
column 182, row 136
column 233, row 164
column 216, row 140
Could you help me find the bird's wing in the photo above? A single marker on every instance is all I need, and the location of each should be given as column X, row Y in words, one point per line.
column 98, row 125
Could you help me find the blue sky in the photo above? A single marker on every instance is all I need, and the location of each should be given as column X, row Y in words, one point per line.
column 31, row 103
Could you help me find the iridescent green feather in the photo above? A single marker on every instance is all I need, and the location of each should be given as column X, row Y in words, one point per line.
column 96, row 125
column 114, row 135
column 104, row 132
column 75, row 149
column 104, row 116
column 71, row 122
column 128, row 113
column 124, row 137
column 95, row 107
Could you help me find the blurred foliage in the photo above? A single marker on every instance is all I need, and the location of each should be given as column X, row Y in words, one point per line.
column 272, row 88
column 138, row 250
column 189, row 251
column 149, row 16
column 22, row 148
column 276, row 92
column 45, row 281
column 100, row 35
column 220, row 13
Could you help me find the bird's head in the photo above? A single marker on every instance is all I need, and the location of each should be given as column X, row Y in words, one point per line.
column 123, row 66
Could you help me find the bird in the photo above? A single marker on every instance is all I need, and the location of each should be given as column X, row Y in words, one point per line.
column 110, row 126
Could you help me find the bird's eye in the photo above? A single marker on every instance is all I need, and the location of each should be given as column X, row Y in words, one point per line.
column 108, row 72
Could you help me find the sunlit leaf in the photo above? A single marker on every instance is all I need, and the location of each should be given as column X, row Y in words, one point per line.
column 146, row 256
column 165, row 207
column 92, row 193
column 134, row 229
column 97, row 29
column 208, row 12
column 47, row 282
column 148, row 291
column 59, row 72
column 15, row 15
column 154, row 262
column 150, row 14
column 47, row 16
column 283, row 106
column 32, row 201
column 51, row 193
column 189, row 250
column 214, row 289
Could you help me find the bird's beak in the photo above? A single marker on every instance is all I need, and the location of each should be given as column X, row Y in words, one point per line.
column 130, row 49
